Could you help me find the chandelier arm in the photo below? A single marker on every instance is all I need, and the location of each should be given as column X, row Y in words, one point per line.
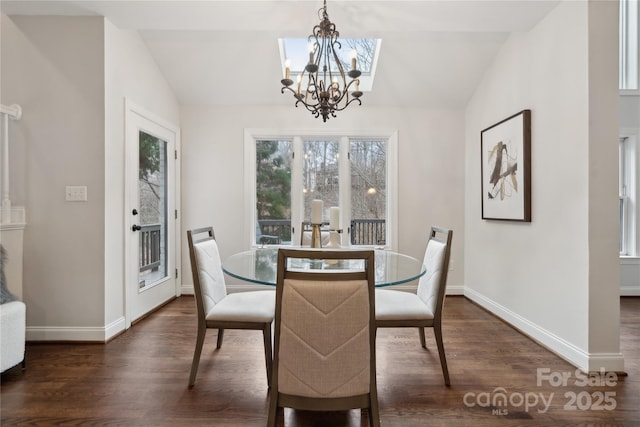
column 344, row 94
column 349, row 103
column 289, row 89
column 351, row 83
column 332, row 105
column 325, row 49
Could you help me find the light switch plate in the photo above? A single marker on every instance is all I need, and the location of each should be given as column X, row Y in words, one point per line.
column 76, row 193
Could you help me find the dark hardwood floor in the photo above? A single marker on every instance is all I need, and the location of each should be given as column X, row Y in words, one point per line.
column 140, row 379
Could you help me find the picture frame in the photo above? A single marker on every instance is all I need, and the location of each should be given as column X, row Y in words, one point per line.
column 505, row 149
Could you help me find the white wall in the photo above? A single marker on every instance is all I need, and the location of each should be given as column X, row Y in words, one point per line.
column 430, row 158
column 604, row 225
column 130, row 72
column 630, row 111
column 53, row 68
column 556, row 277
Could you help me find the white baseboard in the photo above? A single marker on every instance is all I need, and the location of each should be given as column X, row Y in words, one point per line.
column 75, row 333
column 455, row 290
column 587, row 362
column 114, row 328
column 629, row 291
column 62, row 333
column 630, row 276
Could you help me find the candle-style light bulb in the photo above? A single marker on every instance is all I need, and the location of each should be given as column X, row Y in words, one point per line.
column 287, row 69
column 311, row 49
column 354, row 55
column 299, row 81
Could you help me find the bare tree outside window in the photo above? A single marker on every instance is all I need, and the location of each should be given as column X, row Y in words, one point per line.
column 149, row 177
column 321, row 175
column 152, row 210
column 365, row 49
column 368, row 191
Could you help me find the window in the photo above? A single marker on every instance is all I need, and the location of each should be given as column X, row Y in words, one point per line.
column 355, row 172
column 629, row 49
column 368, row 190
column 273, row 186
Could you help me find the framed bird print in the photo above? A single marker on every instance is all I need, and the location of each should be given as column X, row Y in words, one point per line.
column 506, row 169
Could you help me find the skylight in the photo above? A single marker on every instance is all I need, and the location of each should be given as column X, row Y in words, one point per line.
column 296, row 50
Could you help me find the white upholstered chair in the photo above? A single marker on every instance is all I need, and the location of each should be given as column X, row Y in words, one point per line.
column 324, row 347
column 219, row 310
column 424, row 308
column 305, row 234
column 12, row 334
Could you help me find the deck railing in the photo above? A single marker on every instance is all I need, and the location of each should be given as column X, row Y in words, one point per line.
column 362, row 231
column 150, row 238
column 273, row 231
column 368, row 232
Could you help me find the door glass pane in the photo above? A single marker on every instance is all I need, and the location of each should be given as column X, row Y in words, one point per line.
column 368, row 192
column 321, row 176
column 152, row 192
column 273, row 192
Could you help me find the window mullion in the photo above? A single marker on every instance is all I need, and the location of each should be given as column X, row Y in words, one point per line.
column 297, row 196
column 345, row 191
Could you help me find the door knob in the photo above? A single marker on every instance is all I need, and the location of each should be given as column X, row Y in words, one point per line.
column 134, row 212
column 136, row 227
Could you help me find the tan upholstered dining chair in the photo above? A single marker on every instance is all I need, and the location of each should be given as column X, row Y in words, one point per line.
column 218, row 310
column 424, row 308
column 324, row 347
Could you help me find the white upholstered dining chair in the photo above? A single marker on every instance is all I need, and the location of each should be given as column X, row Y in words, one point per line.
column 324, row 347
column 422, row 309
column 218, row 310
column 305, row 234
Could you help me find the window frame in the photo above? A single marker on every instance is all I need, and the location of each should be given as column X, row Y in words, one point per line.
column 297, row 136
column 629, row 193
column 629, row 47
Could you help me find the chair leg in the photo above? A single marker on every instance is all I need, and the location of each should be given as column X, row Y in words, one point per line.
column 220, row 337
column 272, row 418
column 437, row 329
column 423, row 342
column 196, row 355
column 266, row 334
column 374, row 413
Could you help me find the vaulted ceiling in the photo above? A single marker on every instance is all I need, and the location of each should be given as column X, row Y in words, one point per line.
column 215, row 52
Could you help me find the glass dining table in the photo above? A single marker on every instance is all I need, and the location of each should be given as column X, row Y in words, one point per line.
column 259, row 266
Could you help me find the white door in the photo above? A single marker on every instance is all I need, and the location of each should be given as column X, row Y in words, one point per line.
column 150, row 212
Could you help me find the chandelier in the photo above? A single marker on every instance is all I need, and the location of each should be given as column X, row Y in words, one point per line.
column 325, row 89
